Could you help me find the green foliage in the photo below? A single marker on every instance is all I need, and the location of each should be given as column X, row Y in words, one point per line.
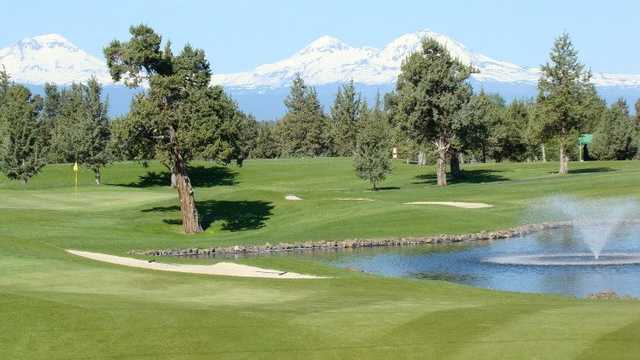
column 303, row 131
column 266, row 145
column 180, row 111
column 22, row 153
column 431, row 90
column 372, row 155
column 564, row 97
column 80, row 128
column 346, row 116
column 616, row 137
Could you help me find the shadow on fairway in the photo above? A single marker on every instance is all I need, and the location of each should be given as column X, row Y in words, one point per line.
column 591, row 170
column 200, row 177
column 468, row 176
column 235, row 215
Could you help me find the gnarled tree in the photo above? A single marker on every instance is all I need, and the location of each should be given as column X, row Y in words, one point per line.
column 170, row 111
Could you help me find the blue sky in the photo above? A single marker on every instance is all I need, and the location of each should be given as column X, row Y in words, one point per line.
column 239, row 34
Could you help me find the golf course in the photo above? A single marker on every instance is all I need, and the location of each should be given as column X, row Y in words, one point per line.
column 55, row 305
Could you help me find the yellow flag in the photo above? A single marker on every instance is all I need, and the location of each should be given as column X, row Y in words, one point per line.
column 75, row 167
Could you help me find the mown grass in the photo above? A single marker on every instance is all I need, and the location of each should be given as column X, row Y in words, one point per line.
column 56, row 306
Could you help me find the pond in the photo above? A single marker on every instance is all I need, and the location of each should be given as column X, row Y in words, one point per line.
column 484, row 265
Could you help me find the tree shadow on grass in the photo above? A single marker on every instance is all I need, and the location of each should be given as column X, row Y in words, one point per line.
column 235, row 215
column 591, row 170
column 200, row 177
column 477, row 176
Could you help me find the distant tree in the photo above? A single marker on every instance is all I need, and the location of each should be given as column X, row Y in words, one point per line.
column 246, row 137
column 179, row 112
column 266, row 146
column 637, row 117
column 616, row 136
column 431, row 90
column 303, row 130
column 346, row 115
column 472, row 129
column 81, row 129
column 561, row 90
column 22, row 154
column 372, row 156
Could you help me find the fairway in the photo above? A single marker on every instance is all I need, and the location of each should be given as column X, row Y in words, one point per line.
column 54, row 305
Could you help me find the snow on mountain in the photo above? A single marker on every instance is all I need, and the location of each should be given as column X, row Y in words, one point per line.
column 51, row 58
column 328, row 60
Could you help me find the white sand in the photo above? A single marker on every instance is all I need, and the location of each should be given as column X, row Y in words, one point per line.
column 353, row 199
column 292, row 198
column 464, row 205
column 221, row 268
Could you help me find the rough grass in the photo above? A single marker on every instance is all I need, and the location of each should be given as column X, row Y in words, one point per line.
column 56, row 306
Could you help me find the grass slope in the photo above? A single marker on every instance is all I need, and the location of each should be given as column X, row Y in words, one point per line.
column 56, row 306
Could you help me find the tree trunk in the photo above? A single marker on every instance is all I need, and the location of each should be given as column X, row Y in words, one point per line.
column 190, row 220
column 173, row 179
column 97, row 174
column 544, row 153
column 455, row 164
column 422, row 158
column 443, row 148
column 564, row 160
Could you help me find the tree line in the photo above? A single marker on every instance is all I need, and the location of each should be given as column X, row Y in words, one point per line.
column 433, row 116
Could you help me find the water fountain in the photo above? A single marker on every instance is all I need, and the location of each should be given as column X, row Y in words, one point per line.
column 593, row 222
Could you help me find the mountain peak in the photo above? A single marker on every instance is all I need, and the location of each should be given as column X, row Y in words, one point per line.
column 51, row 58
column 324, row 44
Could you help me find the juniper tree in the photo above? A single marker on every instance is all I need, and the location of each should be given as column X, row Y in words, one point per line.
column 22, row 153
column 431, row 90
column 172, row 80
column 561, row 93
column 346, row 114
column 179, row 117
column 372, row 155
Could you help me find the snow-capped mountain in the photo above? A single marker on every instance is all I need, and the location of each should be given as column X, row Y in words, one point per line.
column 328, row 60
column 51, row 58
column 325, row 63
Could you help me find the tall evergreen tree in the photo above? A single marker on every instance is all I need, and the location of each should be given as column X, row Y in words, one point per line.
column 346, row 114
column 431, row 90
column 561, row 90
column 637, row 117
column 616, row 136
column 81, row 129
column 22, row 153
column 372, row 155
column 303, row 130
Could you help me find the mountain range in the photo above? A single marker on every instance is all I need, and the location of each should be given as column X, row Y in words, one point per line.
column 325, row 63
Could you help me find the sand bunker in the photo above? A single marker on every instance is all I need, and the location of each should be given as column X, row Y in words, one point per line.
column 292, row 198
column 464, row 205
column 221, row 268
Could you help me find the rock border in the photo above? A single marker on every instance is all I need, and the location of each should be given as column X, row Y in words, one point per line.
column 353, row 243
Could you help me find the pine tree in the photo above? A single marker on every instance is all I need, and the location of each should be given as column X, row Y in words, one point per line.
column 637, row 118
column 431, row 90
column 372, row 155
column 616, row 136
column 303, row 130
column 562, row 88
column 22, row 154
column 346, row 114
